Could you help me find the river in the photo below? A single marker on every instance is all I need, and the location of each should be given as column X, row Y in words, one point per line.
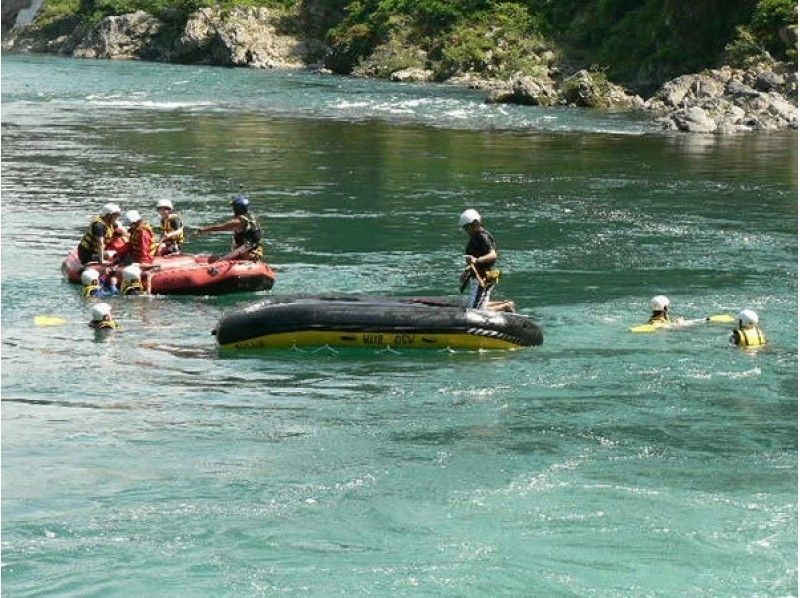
column 603, row 463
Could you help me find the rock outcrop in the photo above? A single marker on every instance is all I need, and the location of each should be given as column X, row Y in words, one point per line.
column 729, row 100
column 585, row 89
column 123, row 37
column 244, row 36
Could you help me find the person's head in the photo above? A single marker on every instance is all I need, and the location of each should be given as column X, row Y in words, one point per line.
column 469, row 221
column 164, row 207
column 659, row 303
column 133, row 218
column 132, row 273
column 240, row 205
column 111, row 212
column 747, row 318
column 100, row 312
column 89, row 276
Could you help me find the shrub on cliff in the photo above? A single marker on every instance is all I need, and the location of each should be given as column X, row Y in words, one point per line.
column 772, row 29
column 497, row 43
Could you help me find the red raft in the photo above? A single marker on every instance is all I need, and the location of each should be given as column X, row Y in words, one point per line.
column 189, row 275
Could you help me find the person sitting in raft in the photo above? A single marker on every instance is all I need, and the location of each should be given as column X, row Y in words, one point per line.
column 171, row 229
column 748, row 334
column 101, row 318
column 132, row 281
column 101, row 234
column 480, row 256
column 140, row 247
column 95, row 285
column 245, row 229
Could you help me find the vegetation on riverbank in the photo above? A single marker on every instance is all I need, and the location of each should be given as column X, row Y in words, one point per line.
column 639, row 43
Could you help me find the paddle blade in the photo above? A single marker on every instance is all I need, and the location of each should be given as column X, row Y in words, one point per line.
column 644, row 328
column 48, row 321
column 721, row 319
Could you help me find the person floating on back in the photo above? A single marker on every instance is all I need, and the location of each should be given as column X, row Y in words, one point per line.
column 748, row 334
column 480, row 256
column 140, row 247
column 95, row 285
column 245, row 228
column 102, row 318
column 132, row 281
column 102, row 233
column 171, row 229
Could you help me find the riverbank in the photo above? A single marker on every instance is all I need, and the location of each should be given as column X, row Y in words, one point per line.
column 759, row 95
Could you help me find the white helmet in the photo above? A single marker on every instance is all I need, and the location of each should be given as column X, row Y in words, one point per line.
column 100, row 311
column 89, row 275
column 164, row 203
column 131, row 273
column 468, row 217
column 747, row 317
column 132, row 216
column 111, row 208
column 659, row 303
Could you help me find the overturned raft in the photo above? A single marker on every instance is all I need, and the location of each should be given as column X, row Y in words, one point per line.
column 372, row 321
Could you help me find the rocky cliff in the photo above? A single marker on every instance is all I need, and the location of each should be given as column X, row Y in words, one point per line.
column 720, row 101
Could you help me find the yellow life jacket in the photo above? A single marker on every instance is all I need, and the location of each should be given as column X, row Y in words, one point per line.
column 659, row 319
column 132, row 288
column 166, row 228
column 749, row 337
column 104, row 325
column 90, row 289
column 88, row 241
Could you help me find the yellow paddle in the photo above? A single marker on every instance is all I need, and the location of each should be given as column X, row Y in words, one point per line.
column 48, row 321
column 715, row 319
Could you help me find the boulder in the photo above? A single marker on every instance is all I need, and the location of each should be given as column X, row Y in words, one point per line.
column 242, row 36
column 769, row 81
column 694, row 120
column 122, row 37
column 593, row 90
column 413, row 74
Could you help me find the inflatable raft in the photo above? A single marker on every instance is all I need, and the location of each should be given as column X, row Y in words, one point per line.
column 190, row 275
column 364, row 321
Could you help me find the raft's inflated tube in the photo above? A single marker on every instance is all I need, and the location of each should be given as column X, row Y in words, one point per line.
column 362, row 321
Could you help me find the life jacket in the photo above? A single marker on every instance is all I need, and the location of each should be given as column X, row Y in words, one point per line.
column 90, row 290
column 136, row 234
column 104, row 325
column 166, row 228
column 250, row 235
column 132, row 288
column 749, row 337
column 88, row 242
column 659, row 319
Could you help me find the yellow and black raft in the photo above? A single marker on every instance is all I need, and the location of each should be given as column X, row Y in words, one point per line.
column 372, row 321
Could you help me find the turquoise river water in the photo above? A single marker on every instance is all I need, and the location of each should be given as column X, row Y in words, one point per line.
column 603, row 463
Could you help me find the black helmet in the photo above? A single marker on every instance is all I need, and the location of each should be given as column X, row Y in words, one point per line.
column 240, row 204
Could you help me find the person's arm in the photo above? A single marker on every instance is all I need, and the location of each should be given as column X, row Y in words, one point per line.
column 98, row 235
column 229, row 225
column 177, row 232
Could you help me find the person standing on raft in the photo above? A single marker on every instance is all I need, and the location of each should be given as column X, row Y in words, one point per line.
column 245, row 228
column 480, row 256
column 102, row 233
column 171, row 229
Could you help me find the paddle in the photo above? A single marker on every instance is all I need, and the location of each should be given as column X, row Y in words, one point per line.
column 715, row 319
column 42, row 321
column 233, row 254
